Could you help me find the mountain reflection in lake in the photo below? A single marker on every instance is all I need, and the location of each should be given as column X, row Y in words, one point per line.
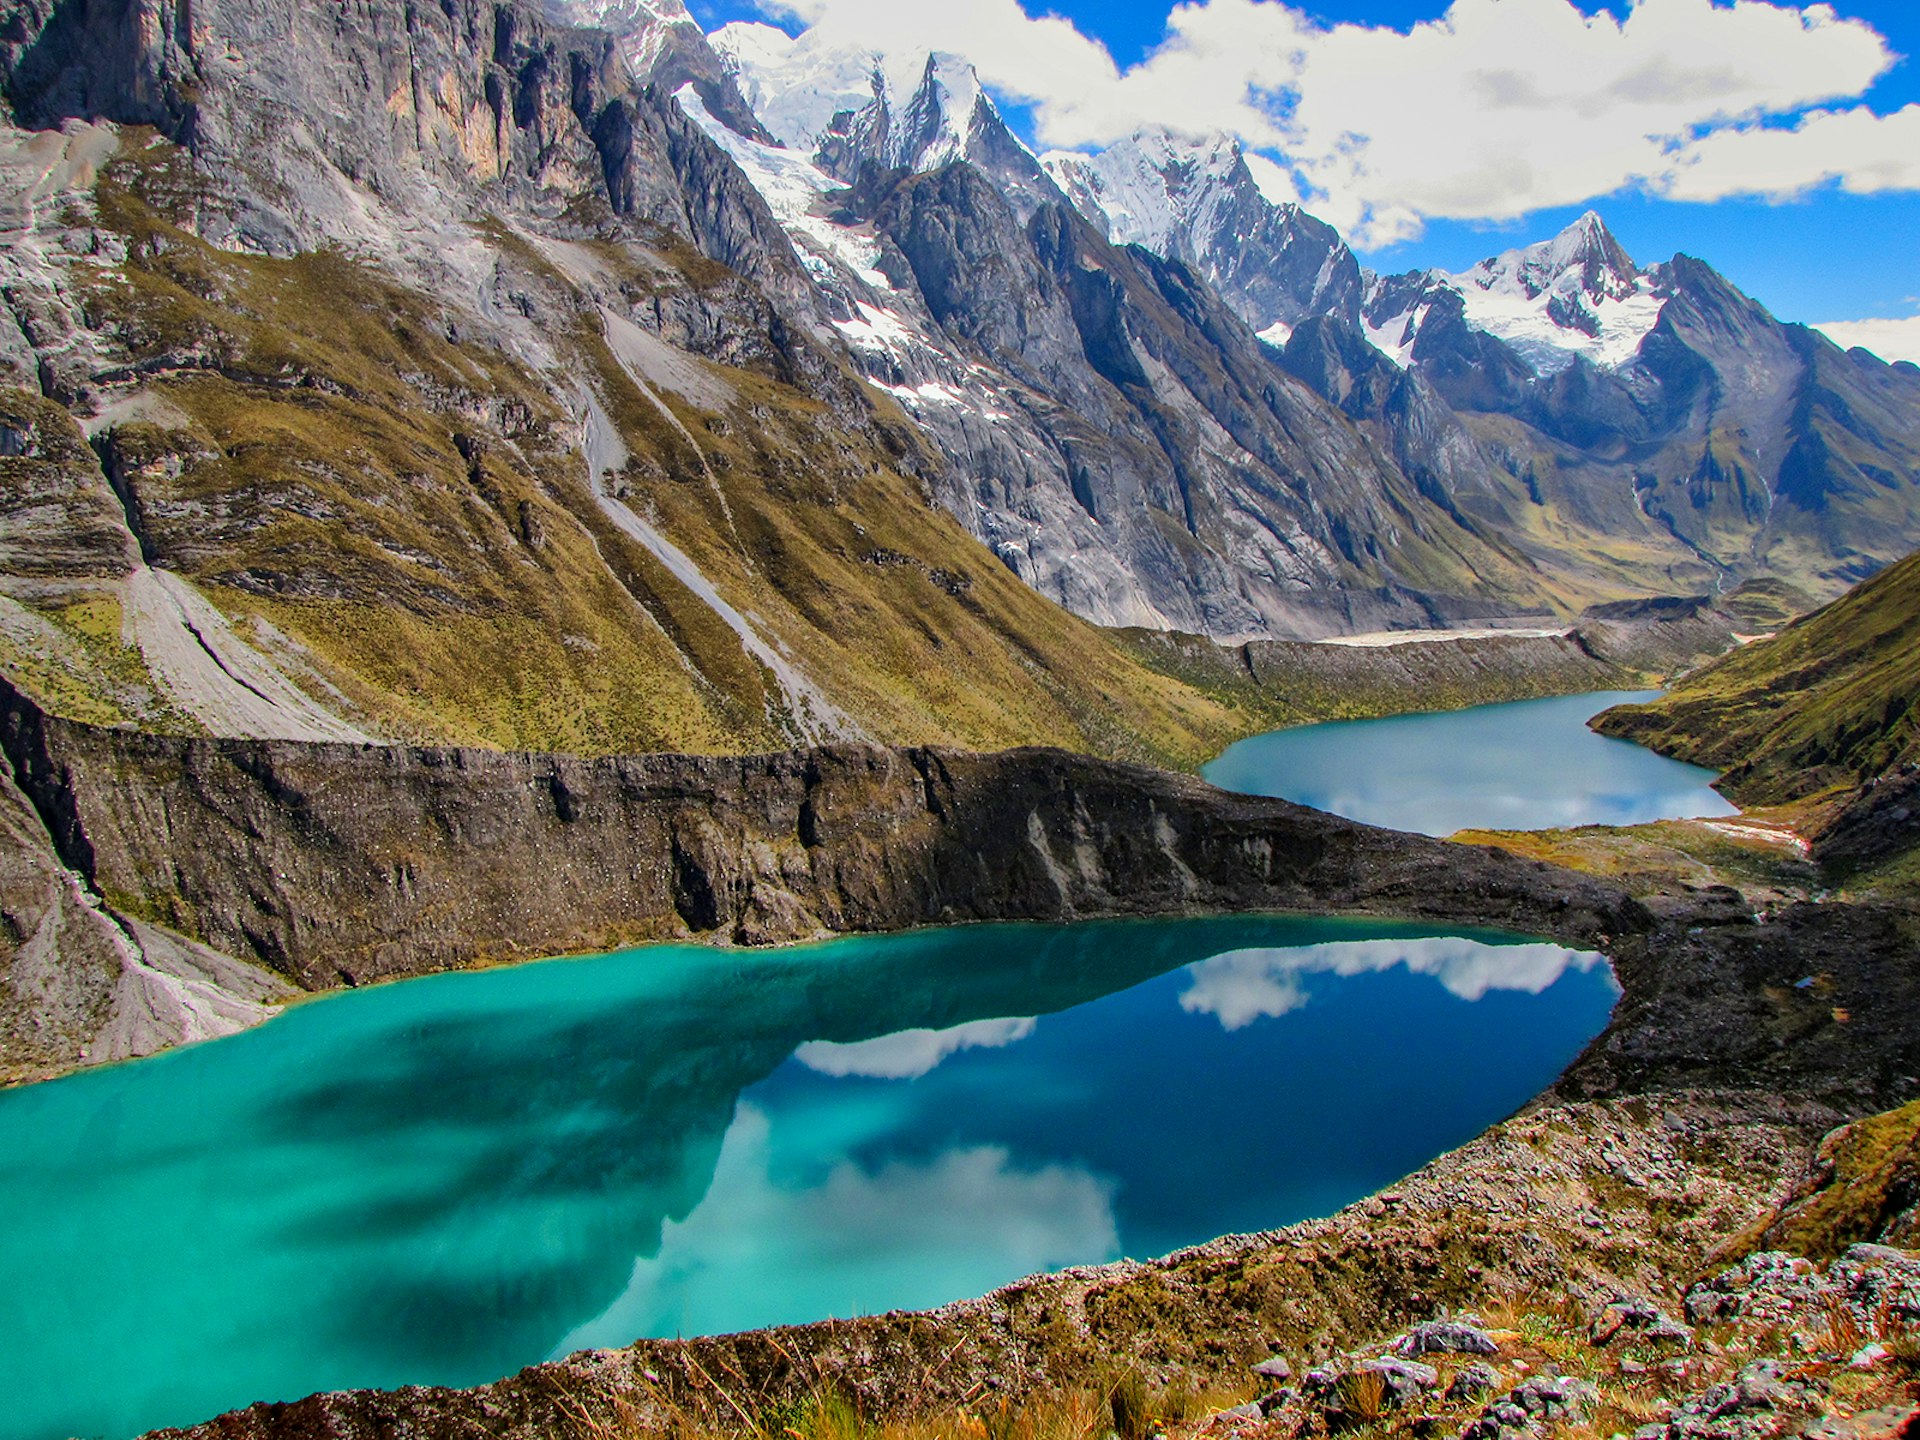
column 444, row 1180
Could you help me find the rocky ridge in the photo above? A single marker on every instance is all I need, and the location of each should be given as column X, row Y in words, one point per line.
column 335, row 864
column 1657, row 411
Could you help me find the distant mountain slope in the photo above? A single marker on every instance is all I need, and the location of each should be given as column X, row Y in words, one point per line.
column 419, row 373
column 1832, row 700
column 1631, row 430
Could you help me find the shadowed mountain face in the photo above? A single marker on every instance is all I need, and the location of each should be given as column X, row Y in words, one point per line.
column 1235, row 496
column 1627, row 428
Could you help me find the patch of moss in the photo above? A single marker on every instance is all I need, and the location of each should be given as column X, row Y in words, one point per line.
column 1868, row 1179
column 1655, row 858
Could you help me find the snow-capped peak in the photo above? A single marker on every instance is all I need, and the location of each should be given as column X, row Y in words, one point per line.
column 640, row 26
column 935, row 127
column 1196, row 199
column 618, row 15
column 850, row 104
column 1583, row 259
column 1578, row 294
column 1155, row 185
column 798, row 86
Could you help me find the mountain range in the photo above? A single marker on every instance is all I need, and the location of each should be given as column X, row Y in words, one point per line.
column 1624, row 429
column 560, row 376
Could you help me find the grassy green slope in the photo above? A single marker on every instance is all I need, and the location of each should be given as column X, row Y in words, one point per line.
column 403, row 512
column 1828, row 703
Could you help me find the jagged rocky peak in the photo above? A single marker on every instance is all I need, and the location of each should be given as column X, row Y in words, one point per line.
column 846, row 107
column 644, row 22
column 661, row 44
column 1578, row 295
column 939, row 121
column 1195, row 198
column 1155, row 187
column 1583, row 259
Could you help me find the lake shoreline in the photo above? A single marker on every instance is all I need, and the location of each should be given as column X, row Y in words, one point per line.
column 1518, row 765
column 1696, row 1032
column 1690, row 1093
column 331, row 865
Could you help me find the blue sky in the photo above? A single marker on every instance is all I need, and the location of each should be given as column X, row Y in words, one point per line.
column 1810, row 250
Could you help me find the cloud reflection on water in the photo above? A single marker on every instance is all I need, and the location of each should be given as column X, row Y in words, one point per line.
column 909, row 1054
column 901, row 1234
column 1242, row 986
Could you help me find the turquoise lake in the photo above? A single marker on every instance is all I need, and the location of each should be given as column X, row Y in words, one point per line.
column 1530, row 765
column 445, row 1180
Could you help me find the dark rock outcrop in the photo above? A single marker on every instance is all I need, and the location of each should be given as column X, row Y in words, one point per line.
column 337, row 864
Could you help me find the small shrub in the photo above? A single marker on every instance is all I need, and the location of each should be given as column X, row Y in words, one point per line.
column 1902, row 1339
column 1844, row 1332
column 1362, row 1394
column 829, row 1415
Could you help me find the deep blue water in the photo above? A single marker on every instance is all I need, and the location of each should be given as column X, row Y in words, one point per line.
column 1530, row 765
column 444, row 1180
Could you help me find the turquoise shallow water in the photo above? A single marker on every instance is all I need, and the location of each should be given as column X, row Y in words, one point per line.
column 444, row 1180
column 1530, row 765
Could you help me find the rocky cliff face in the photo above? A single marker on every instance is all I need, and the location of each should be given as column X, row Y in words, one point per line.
column 82, row 985
column 1142, row 418
column 1197, row 201
column 338, row 864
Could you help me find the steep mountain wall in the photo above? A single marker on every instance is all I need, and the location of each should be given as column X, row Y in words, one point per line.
column 337, row 864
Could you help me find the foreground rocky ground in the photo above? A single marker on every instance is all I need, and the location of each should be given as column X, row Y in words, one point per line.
column 1708, row 1125
column 1585, row 1252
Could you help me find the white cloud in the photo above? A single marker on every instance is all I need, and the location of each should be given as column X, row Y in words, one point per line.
column 1242, row 986
column 911, row 1053
column 1889, row 339
column 1016, row 53
column 1862, row 152
column 1493, row 109
column 1507, row 106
